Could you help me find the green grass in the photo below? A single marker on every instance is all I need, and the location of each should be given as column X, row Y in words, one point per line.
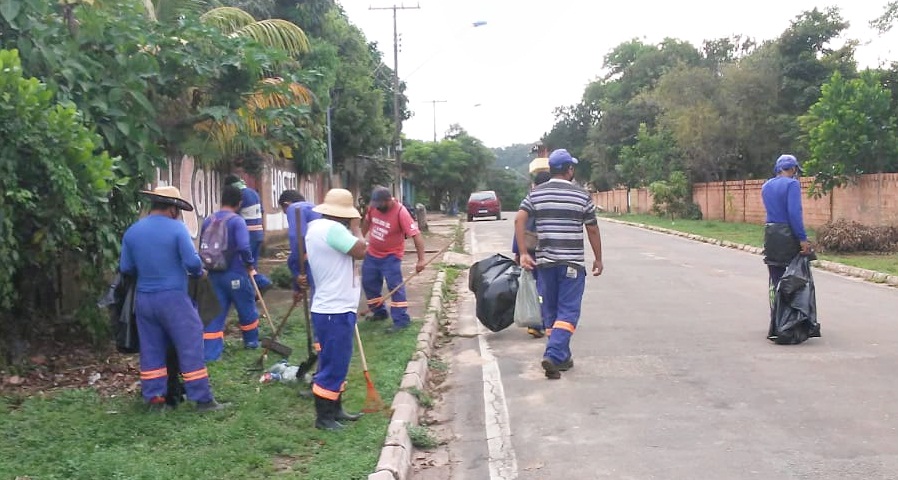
column 751, row 234
column 886, row 263
column 424, row 398
column 421, row 437
column 459, row 239
column 452, row 273
column 267, row 433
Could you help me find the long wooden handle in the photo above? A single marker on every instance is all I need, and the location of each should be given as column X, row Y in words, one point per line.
column 413, row 275
column 262, row 301
column 358, row 339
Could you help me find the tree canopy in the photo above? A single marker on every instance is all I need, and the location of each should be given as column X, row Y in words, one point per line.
column 728, row 108
column 228, row 82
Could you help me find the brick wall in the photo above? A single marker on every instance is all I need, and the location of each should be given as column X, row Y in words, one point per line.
column 872, row 200
column 616, row 200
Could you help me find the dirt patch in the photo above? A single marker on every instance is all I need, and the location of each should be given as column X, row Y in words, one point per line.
column 72, row 366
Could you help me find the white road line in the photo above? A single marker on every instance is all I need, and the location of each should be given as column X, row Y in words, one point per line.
column 502, row 461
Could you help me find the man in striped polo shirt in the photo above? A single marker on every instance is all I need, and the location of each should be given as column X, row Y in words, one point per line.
column 561, row 210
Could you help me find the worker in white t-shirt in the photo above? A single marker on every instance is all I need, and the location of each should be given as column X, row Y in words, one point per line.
column 333, row 243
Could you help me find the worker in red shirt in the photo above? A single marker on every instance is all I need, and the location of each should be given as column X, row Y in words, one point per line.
column 387, row 224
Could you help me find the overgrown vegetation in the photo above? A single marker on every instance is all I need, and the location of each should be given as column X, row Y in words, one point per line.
column 424, row 398
column 673, row 199
column 458, row 239
column 421, row 437
column 844, row 236
column 146, row 82
column 281, row 277
column 54, row 206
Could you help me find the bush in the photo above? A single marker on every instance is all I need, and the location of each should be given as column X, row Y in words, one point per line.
column 54, row 206
column 281, row 277
column 671, row 198
column 844, row 236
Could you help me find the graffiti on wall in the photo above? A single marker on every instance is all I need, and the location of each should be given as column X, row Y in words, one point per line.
column 200, row 187
column 203, row 189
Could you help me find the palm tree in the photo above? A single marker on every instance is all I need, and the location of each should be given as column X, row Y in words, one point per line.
column 229, row 137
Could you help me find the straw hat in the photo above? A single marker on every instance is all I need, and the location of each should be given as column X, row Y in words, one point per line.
column 169, row 195
column 338, row 203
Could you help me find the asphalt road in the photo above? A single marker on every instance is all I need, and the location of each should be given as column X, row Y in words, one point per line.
column 674, row 378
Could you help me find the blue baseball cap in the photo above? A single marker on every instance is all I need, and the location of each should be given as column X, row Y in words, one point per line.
column 785, row 162
column 560, row 158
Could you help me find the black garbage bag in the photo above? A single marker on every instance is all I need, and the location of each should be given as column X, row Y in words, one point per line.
column 780, row 246
column 794, row 316
column 204, row 298
column 494, row 281
column 119, row 299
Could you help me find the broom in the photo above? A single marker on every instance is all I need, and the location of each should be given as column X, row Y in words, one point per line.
column 373, row 402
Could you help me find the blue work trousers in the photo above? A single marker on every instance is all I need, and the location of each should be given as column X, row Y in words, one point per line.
column 255, row 246
column 164, row 319
column 231, row 288
column 561, row 288
column 374, row 272
column 335, row 332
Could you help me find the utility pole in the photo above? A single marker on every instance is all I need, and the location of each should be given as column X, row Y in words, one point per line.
column 397, row 116
column 435, row 102
column 330, row 151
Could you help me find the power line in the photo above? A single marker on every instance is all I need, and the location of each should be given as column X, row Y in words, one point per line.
column 397, row 117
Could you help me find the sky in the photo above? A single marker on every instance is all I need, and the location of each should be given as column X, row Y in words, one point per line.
column 502, row 81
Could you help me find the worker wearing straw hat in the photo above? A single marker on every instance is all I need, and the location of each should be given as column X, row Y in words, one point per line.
column 158, row 251
column 333, row 242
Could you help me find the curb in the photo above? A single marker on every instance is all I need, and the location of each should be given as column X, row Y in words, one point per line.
column 395, row 462
column 840, row 268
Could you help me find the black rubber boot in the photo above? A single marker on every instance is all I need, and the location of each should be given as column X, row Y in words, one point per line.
column 341, row 414
column 325, row 411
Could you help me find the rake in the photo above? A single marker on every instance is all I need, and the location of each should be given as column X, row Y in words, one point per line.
column 373, row 402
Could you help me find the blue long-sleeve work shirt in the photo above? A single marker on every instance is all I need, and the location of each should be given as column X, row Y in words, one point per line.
column 307, row 216
column 159, row 252
column 782, row 199
column 530, row 227
column 238, row 240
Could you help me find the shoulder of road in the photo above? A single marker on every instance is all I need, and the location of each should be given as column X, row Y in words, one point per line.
column 842, row 269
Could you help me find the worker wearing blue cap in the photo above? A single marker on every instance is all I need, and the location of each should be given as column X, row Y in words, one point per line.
column 784, row 233
column 562, row 209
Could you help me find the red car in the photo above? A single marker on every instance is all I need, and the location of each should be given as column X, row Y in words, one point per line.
column 484, row 203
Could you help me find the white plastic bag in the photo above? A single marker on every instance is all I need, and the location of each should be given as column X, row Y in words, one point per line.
column 526, row 305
